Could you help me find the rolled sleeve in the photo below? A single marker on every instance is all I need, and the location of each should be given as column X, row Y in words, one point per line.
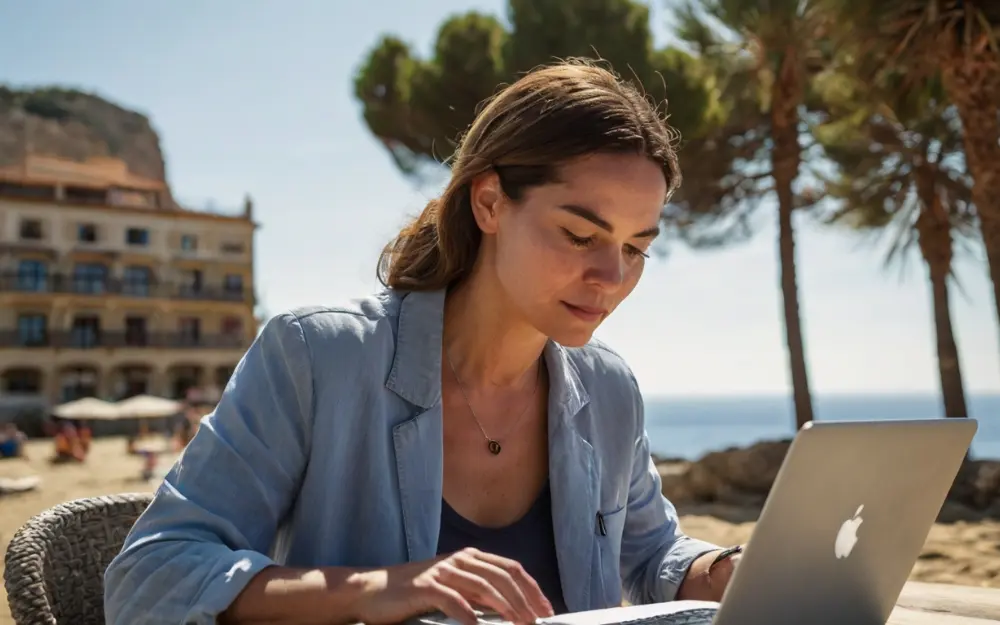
column 216, row 515
column 656, row 554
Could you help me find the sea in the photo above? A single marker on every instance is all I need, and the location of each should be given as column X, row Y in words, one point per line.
column 690, row 427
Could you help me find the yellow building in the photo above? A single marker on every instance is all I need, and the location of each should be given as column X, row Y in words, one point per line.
column 108, row 290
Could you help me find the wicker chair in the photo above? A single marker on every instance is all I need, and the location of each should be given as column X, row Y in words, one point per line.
column 54, row 571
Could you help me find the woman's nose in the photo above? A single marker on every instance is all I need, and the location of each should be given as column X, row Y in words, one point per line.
column 608, row 269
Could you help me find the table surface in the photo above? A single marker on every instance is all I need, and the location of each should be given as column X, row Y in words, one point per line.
column 944, row 604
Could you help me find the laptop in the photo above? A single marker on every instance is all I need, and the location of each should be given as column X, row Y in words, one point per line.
column 843, row 524
column 845, row 521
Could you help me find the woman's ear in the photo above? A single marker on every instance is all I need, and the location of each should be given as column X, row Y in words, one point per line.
column 486, row 198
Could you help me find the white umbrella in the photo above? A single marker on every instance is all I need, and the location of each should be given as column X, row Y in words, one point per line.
column 86, row 408
column 147, row 407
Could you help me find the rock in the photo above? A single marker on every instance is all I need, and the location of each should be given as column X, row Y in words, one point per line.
column 72, row 124
column 977, row 484
column 734, row 476
column 752, row 469
column 675, row 487
column 703, row 484
column 743, row 477
column 658, row 460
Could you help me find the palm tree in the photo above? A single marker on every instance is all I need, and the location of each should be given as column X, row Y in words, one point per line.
column 957, row 39
column 900, row 176
column 761, row 54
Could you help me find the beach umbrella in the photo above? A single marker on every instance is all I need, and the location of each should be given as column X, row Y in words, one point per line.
column 147, row 407
column 86, row 408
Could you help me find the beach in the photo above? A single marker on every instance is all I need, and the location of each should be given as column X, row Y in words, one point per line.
column 961, row 552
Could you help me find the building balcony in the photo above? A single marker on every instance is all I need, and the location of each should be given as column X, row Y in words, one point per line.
column 89, row 286
column 87, row 339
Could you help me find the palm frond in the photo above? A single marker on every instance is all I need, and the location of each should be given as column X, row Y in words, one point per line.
column 884, row 139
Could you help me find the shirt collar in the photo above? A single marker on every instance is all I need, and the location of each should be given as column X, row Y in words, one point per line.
column 416, row 367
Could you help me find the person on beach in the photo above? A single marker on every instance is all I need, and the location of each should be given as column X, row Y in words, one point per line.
column 68, row 444
column 12, row 441
column 457, row 441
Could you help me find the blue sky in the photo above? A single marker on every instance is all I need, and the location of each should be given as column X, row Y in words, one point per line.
column 254, row 96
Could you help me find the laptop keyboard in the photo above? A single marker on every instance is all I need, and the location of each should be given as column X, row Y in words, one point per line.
column 688, row 617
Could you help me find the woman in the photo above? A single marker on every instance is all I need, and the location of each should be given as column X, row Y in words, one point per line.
column 457, row 441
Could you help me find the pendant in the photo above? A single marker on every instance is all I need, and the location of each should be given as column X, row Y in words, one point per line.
column 494, row 447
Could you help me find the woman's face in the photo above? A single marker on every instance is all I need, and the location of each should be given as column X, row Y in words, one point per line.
column 569, row 252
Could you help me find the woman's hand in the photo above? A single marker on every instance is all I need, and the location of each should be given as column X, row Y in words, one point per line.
column 705, row 581
column 455, row 585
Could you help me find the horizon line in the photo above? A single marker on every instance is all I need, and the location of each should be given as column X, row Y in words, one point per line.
column 828, row 394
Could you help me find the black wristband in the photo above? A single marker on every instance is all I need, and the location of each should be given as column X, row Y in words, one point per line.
column 725, row 553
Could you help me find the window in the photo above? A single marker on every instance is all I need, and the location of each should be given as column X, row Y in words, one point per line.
column 85, row 195
column 89, row 278
column 78, row 382
column 134, row 381
column 135, row 331
column 31, row 229
column 232, row 326
column 189, row 242
column 191, row 282
column 136, row 280
column 233, row 283
column 222, row 375
column 32, row 275
column 28, row 381
column 32, row 330
column 190, row 330
column 231, row 332
column 128, row 197
column 232, row 247
column 186, row 381
column 137, row 236
column 31, row 191
column 86, row 331
column 86, row 233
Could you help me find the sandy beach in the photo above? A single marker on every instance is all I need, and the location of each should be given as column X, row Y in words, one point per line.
column 961, row 552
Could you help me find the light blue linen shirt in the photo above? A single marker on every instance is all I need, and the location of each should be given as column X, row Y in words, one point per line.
column 326, row 449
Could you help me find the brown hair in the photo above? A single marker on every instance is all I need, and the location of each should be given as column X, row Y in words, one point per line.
column 548, row 117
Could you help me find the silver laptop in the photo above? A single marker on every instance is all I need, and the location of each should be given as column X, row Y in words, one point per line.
column 845, row 521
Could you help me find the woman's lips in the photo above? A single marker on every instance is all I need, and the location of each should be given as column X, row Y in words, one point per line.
column 586, row 313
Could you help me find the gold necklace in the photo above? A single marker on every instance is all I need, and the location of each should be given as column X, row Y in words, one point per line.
column 491, row 443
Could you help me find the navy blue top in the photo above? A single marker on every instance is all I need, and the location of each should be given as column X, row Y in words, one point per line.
column 530, row 540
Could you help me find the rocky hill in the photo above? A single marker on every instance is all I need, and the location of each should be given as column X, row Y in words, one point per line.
column 76, row 125
column 741, row 477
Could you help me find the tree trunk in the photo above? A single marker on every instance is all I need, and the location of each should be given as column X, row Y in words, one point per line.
column 973, row 83
column 934, row 232
column 786, row 94
column 952, row 388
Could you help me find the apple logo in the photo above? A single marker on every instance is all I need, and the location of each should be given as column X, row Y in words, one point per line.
column 847, row 537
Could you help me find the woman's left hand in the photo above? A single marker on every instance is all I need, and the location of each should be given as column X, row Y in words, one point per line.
column 705, row 582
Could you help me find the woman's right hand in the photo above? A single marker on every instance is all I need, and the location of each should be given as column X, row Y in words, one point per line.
column 455, row 585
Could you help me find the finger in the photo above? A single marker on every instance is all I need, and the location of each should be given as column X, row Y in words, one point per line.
column 451, row 603
column 503, row 582
column 471, row 586
column 527, row 584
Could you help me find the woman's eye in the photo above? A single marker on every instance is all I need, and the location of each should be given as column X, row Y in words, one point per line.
column 582, row 242
column 632, row 250
column 578, row 241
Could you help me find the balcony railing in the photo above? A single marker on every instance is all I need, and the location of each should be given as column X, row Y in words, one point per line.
column 86, row 285
column 87, row 339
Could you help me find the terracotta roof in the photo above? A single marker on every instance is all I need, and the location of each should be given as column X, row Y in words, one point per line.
column 96, row 172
